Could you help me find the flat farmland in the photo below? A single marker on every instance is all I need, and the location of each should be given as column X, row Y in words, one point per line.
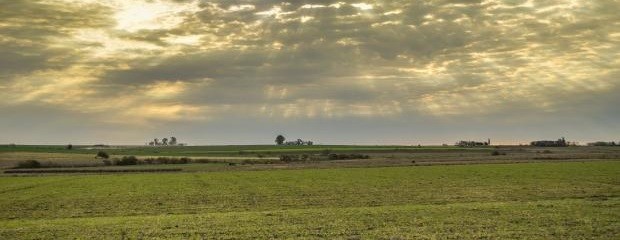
column 251, row 157
column 532, row 200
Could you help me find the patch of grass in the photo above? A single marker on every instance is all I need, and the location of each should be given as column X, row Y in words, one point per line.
column 544, row 219
column 536, row 200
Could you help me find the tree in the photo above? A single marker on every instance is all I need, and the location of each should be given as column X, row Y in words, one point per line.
column 173, row 141
column 280, row 139
column 156, row 141
column 69, row 147
column 164, row 141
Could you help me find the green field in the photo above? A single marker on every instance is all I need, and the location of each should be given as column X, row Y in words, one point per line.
column 531, row 201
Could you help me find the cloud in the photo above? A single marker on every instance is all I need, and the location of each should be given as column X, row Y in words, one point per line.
column 30, row 31
column 201, row 61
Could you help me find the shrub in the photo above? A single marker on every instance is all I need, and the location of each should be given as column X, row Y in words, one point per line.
column 166, row 160
column 107, row 162
column 288, row 158
column 358, row 156
column 28, row 164
column 69, row 147
column 249, row 161
column 497, row 153
column 127, row 160
column 205, row 160
column 102, row 154
column 184, row 160
column 334, row 156
column 163, row 160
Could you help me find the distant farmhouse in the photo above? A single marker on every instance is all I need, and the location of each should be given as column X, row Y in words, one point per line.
column 472, row 143
column 547, row 143
column 299, row 142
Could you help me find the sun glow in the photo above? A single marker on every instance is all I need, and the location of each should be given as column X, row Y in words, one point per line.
column 134, row 16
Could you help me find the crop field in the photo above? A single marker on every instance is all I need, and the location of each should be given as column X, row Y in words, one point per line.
column 532, row 200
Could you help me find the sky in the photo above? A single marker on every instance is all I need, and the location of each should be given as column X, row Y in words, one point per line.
column 335, row 72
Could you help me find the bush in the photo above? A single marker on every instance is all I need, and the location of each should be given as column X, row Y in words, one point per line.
column 334, row 156
column 107, row 162
column 497, row 153
column 288, row 158
column 185, row 160
column 127, row 160
column 69, row 147
column 28, row 164
column 102, row 154
column 205, row 160
column 166, row 160
column 148, row 161
column 249, row 161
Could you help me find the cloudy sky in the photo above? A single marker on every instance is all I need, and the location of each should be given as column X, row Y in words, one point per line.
column 361, row 71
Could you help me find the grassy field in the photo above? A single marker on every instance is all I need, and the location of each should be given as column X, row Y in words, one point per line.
column 533, row 201
column 249, row 157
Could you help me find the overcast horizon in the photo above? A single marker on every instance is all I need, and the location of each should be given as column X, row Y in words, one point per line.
column 336, row 72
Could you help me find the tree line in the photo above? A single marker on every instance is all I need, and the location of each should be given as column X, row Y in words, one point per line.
column 165, row 142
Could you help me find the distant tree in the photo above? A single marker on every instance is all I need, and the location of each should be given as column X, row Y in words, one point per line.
column 164, row 141
column 156, row 141
column 152, row 143
column 280, row 139
column 69, row 147
column 173, row 141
